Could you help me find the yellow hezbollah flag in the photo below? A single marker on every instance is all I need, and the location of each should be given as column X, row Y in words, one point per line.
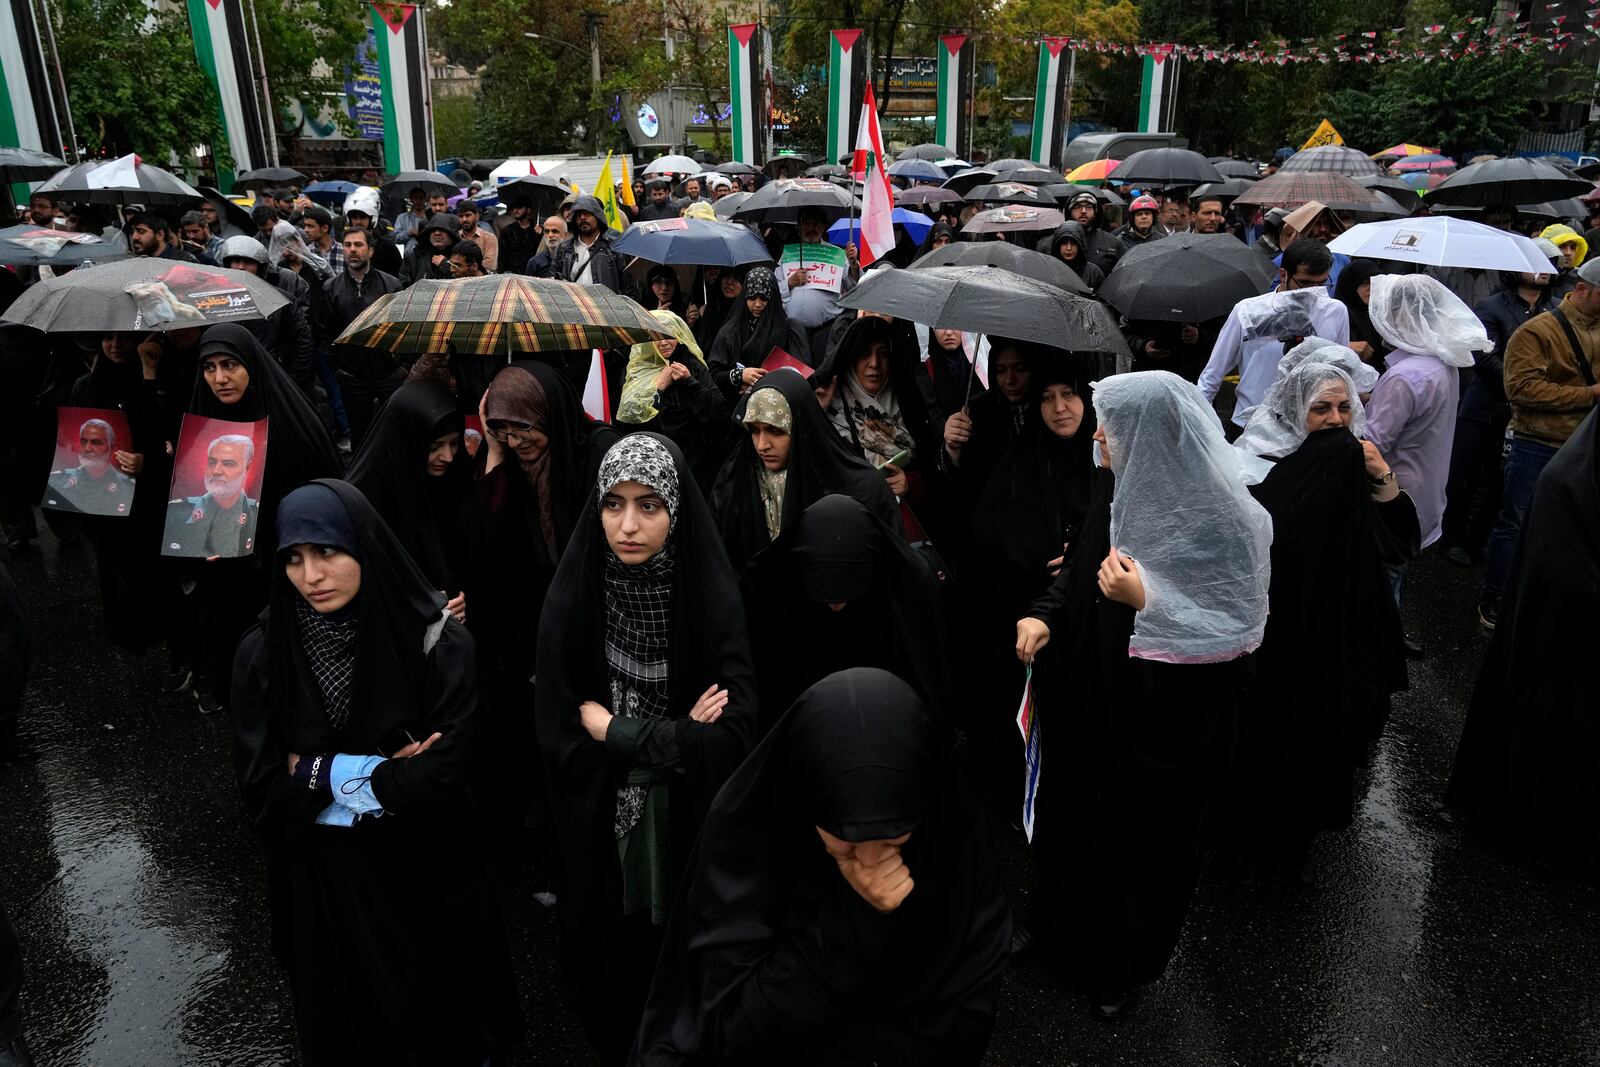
column 1325, row 134
column 627, row 187
column 605, row 190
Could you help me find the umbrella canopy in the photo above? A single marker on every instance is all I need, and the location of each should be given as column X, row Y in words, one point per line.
column 916, row 170
column 1006, row 256
column 1420, row 165
column 143, row 293
column 727, row 205
column 698, row 242
column 1029, row 175
column 1591, row 196
column 1421, row 181
column 1106, row 196
column 330, row 194
column 736, row 168
column 1061, row 192
column 1507, row 181
column 1292, row 188
column 498, row 315
column 1226, row 191
column 117, row 181
column 964, row 180
column 781, row 200
column 1556, row 210
column 787, row 164
column 1096, row 170
column 927, row 194
column 1237, row 168
column 1386, row 207
column 1014, row 219
column 916, row 224
column 931, row 152
column 1404, row 149
column 1166, row 167
column 430, row 181
column 1334, row 159
column 1010, row 193
column 1187, row 277
column 1011, row 163
column 231, row 212
column 827, row 170
column 671, row 164
column 270, row 177
column 1442, row 242
column 1419, row 158
column 1403, row 194
column 990, row 300
column 545, row 194
column 30, row 246
column 26, row 165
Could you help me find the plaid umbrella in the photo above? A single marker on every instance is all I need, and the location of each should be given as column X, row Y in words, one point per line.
column 1332, row 159
column 502, row 313
column 1289, row 188
column 142, row 294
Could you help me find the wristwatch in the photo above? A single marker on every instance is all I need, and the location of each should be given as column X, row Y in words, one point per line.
column 1388, row 476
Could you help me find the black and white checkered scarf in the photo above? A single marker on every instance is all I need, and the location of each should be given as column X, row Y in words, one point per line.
column 330, row 648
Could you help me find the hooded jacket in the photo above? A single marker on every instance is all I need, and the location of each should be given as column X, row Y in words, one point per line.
column 286, row 333
column 1084, row 265
column 1103, row 247
column 418, row 263
column 606, row 264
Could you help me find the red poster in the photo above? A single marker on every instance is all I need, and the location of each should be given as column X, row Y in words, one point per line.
column 216, row 488
column 85, row 477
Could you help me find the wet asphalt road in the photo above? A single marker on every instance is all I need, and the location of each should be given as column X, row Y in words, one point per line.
column 138, row 894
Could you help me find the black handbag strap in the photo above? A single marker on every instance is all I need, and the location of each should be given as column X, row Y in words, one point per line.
column 1577, row 348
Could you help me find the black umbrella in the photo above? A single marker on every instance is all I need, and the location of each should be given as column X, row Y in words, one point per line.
column 231, row 213
column 270, row 177
column 120, row 181
column 990, row 300
column 144, row 293
column 927, row 194
column 430, row 181
column 1166, row 167
column 781, row 201
column 1187, row 277
column 26, row 165
column 1010, row 163
column 963, row 180
column 827, row 170
column 1006, row 256
column 1226, row 191
column 1010, row 193
column 1386, row 208
column 1555, row 210
column 735, row 167
column 1236, row 168
column 1061, row 192
column 1507, row 181
column 1014, row 219
column 30, row 246
column 727, row 205
column 1106, row 196
column 931, row 152
column 544, row 194
column 1401, row 193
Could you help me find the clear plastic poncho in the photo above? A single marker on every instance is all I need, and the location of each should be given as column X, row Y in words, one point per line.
column 1182, row 513
column 1278, row 424
column 285, row 236
column 1363, row 375
column 1419, row 314
column 1278, row 314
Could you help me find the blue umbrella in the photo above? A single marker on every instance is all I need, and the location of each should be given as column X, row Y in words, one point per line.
column 330, row 194
column 693, row 242
column 917, row 226
column 917, row 170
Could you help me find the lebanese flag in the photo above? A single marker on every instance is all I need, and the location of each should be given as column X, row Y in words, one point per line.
column 877, row 212
column 596, row 391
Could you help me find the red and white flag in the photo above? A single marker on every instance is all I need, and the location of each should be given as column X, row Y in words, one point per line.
column 877, row 211
column 597, row 391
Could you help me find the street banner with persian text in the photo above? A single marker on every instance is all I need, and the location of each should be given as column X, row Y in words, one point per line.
column 222, row 47
column 401, row 39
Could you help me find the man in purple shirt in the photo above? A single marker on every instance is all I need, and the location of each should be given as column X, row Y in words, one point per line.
column 1411, row 415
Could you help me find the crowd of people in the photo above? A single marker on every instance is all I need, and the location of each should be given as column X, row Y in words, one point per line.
column 739, row 668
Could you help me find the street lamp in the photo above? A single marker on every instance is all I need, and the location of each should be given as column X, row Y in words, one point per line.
column 591, row 24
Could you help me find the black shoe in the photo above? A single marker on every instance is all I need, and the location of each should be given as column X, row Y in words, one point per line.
column 1413, row 648
column 1024, row 945
column 176, row 680
column 207, row 702
column 1109, row 1009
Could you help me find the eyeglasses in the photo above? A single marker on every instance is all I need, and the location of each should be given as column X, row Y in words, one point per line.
column 512, row 437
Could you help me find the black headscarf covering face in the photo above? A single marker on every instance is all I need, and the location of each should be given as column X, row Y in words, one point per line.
column 819, row 464
column 746, row 338
column 678, row 304
column 1356, row 273
column 770, row 951
column 391, row 471
column 939, row 229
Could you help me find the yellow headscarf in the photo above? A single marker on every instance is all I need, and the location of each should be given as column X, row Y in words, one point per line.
column 644, row 364
column 1560, row 234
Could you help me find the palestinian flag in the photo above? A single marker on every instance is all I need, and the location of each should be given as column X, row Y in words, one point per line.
column 1158, row 92
column 744, row 93
column 841, row 94
column 402, row 41
column 222, row 45
column 953, row 109
column 1049, row 96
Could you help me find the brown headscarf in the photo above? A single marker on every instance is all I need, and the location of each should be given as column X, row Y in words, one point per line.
column 516, row 396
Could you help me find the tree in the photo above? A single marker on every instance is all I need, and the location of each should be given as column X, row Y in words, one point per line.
column 132, row 79
column 700, row 34
column 308, row 46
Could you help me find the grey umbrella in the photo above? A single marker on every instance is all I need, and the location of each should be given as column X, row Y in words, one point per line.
column 26, row 165
column 430, row 180
column 990, row 300
column 1226, row 191
column 725, row 207
column 1166, row 167
column 1187, row 277
column 930, row 152
column 1006, row 256
column 136, row 182
column 1010, row 193
column 1506, row 181
column 781, row 201
column 1236, row 168
column 143, row 294
column 735, row 167
column 270, row 177
column 29, row 245
column 1401, row 193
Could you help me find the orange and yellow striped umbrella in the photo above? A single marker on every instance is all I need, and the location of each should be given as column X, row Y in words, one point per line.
column 497, row 315
column 1096, row 170
column 1403, row 149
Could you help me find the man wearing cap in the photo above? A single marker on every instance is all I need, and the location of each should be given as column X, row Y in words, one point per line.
column 721, row 185
column 1103, row 249
column 1141, row 228
column 1550, row 381
column 660, row 207
column 286, row 333
column 361, row 211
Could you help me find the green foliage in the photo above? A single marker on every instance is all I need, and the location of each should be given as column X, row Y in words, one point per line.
column 455, row 127
column 296, row 35
column 133, row 80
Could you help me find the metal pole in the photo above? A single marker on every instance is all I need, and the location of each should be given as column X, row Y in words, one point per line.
column 427, row 84
column 61, row 84
column 591, row 23
column 1072, row 76
column 270, row 120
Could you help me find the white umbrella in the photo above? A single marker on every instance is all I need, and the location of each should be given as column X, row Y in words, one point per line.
column 1442, row 242
column 672, row 165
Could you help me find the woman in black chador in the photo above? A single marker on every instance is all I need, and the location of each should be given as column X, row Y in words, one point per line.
column 357, row 746
column 843, row 905
column 645, row 703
